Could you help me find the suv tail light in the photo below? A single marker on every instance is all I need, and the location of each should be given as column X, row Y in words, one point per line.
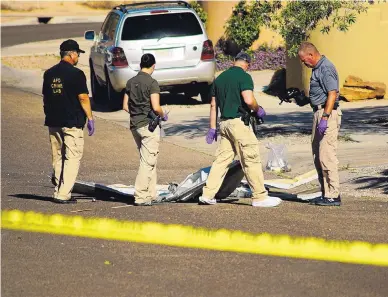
column 207, row 51
column 118, row 57
column 158, row 11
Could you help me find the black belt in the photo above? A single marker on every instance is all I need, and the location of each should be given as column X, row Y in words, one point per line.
column 225, row 119
column 318, row 107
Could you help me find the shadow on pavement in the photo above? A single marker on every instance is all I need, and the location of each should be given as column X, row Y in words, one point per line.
column 178, row 99
column 165, row 99
column 32, row 197
column 374, row 182
column 98, row 196
column 368, row 120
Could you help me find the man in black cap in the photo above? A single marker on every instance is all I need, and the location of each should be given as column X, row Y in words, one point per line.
column 66, row 107
column 232, row 92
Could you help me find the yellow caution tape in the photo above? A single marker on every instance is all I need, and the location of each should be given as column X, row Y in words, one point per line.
column 186, row 236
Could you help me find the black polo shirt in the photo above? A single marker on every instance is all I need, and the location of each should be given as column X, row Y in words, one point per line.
column 62, row 84
column 139, row 89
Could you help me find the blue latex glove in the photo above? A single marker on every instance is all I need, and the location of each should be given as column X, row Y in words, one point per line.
column 261, row 112
column 322, row 126
column 91, row 127
column 211, row 135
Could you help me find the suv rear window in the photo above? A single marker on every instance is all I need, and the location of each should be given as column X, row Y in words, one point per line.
column 161, row 25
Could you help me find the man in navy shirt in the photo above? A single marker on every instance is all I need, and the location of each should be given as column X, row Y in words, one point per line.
column 66, row 107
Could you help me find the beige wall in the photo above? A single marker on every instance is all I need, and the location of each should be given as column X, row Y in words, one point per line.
column 362, row 51
column 220, row 11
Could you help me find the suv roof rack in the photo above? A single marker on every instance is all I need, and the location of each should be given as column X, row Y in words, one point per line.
column 123, row 7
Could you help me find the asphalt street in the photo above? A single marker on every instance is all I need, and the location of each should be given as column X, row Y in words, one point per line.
column 23, row 34
column 47, row 265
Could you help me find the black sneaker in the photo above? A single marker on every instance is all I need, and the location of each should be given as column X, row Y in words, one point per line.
column 72, row 200
column 329, row 202
column 315, row 200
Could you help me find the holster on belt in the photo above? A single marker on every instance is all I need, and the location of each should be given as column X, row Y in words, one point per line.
column 155, row 120
column 250, row 118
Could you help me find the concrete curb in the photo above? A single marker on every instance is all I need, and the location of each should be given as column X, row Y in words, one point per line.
column 41, row 20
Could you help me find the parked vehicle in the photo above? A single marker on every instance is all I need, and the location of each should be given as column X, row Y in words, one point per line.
column 170, row 30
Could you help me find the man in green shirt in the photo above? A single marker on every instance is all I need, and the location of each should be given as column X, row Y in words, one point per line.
column 142, row 95
column 233, row 89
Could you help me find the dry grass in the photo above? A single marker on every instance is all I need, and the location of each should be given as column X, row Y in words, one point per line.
column 15, row 6
column 103, row 4
column 31, row 62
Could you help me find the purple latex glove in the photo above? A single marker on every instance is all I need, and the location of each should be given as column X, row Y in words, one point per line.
column 165, row 118
column 322, row 126
column 91, row 127
column 211, row 135
column 261, row 112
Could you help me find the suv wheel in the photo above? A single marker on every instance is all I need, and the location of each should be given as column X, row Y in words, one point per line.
column 191, row 92
column 205, row 94
column 98, row 92
column 115, row 99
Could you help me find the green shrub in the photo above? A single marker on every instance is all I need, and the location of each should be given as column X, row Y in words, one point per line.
column 243, row 27
column 298, row 19
column 294, row 20
column 199, row 10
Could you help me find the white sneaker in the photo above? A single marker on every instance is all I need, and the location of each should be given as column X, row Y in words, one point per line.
column 268, row 202
column 207, row 201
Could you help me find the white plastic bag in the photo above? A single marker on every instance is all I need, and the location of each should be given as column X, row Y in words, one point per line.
column 277, row 158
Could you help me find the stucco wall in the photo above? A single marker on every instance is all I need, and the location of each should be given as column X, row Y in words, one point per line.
column 362, row 51
column 220, row 11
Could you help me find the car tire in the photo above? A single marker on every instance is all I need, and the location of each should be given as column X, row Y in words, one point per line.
column 98, row 92
column 175, row 92
column 205, row 94
column 191, row 93
column 115, row 99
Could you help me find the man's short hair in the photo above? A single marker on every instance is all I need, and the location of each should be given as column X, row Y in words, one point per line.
column 147, row 60
column 307, row 47
column 64, row 53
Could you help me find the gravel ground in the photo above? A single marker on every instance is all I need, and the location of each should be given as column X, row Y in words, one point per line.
column 365, row 182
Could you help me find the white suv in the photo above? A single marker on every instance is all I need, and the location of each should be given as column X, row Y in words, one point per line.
column 170, row 30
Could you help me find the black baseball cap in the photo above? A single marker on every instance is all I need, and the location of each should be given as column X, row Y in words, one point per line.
column 70, row 45
column 243, row 56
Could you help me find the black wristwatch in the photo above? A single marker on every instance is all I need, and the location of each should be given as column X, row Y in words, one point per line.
column 325, row 115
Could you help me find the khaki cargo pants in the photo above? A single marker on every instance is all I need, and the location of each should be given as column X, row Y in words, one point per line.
column 148, row 145
column 324, row 150
column 237, row 139
column 67, row 146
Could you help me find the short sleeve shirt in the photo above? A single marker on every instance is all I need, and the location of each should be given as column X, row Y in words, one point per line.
column 227, row 89
column 62, row 84
column 324, row 78
column 139, row 90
